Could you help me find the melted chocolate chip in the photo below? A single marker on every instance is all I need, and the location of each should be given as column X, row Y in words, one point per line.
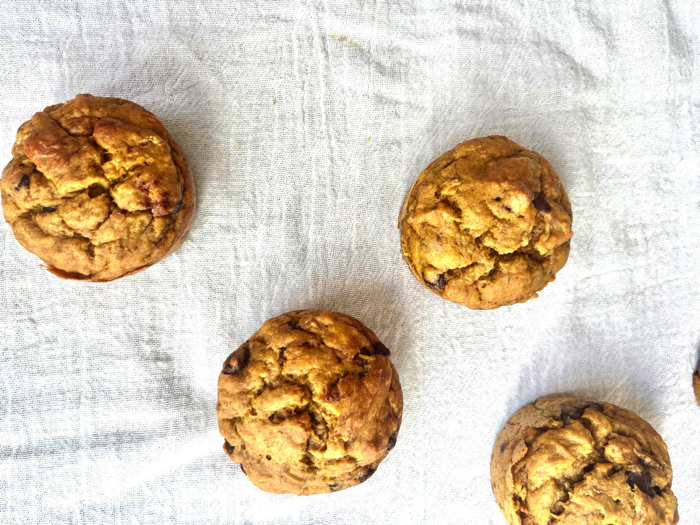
column 380, row 349
column 227, row 447
column 571, row 412
column 642, row 481
column 367, row 474
column 23, row 183
column 107, row 156
column 392, row 442
column 498, row 199
column 237, row 361
column 365, row 351
column 96, row 190
column 48, row 209
column 541, row 203
column 177, row 207
column 439, row 284
column 614, row 470
column 332, row 397
column 557, row 509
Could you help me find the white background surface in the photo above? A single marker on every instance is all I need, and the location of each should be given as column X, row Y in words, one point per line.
column 107, row 391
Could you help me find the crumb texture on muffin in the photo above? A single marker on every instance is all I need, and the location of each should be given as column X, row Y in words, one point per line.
column 309, row 404
column 566, row 460
column 97, row 188
column 487, row 224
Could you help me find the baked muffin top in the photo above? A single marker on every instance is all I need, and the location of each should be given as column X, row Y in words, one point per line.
column 97, row 188
column 567, row 460
column 309, row 404
column 487, row 224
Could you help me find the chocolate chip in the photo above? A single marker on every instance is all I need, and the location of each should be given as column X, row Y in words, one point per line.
column 227, row 447
column 380, row 349
column 365, row 351
column 48, row 209
column 541, row 203
column 392, row 442
column 107, row 156
column 243, row 469
column 588, row 468
column 571, row 412
column 557, row 509
column 498, row 199
column 367, row 474
column 508, row 209
column 596, row 406
column 641, row 480
column 237, row 361
column 96, row 190
column 332, row 397
column 614, row 470
column 439, row 284
column 177, row 207
column 334, row 486
column 23, row 183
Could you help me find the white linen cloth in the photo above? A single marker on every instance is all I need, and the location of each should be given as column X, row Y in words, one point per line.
column 305, row 122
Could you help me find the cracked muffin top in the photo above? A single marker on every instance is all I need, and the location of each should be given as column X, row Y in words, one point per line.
column 487, row 224
column 566, row 460
column 309, row 404
column 97, row 189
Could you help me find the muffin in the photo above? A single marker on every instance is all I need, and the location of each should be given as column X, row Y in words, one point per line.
column 97, row 189
column 696, row 385
column 566, row 460
column 309, row 404
column 487, row 224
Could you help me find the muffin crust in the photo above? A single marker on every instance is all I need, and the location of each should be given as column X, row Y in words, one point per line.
column 487, row 224
column 567, row 460
column 309, row 404
column 97, row 189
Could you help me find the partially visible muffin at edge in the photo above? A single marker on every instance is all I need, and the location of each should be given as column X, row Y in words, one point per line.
column 567, row 460
column 97, row 189
column 310, row 404
column 696, row 385
column 487, row 224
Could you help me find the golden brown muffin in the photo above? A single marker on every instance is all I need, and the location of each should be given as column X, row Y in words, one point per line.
column 487, row 224
column 309, row 404
column 566, row 460
column 97, row 189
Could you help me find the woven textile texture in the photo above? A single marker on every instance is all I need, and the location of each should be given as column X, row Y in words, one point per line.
column 305, row 122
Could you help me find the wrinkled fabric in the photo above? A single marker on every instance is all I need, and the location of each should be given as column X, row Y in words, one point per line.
column 305, row 123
